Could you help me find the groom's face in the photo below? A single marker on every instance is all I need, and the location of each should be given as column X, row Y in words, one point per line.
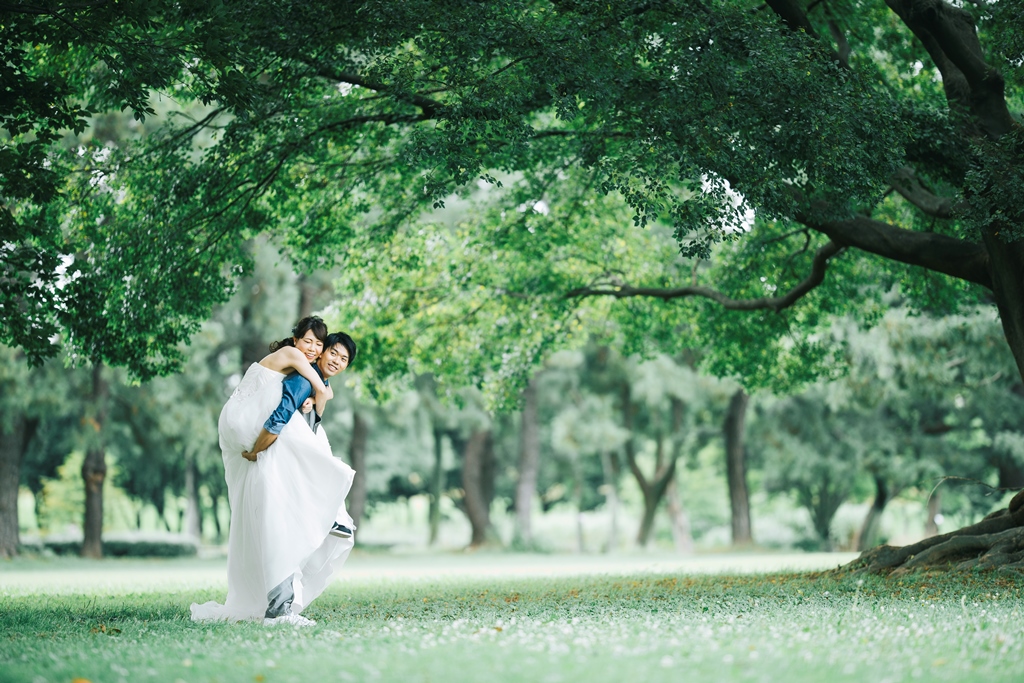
column 333, row 360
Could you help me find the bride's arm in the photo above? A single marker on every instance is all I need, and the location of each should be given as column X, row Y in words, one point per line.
column 290, row 358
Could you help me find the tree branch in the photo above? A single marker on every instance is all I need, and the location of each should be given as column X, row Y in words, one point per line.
column 948, row 34
column 430, row 107
column 791, row 13
column 775, row 303
column 941, row 253
column 912, row 189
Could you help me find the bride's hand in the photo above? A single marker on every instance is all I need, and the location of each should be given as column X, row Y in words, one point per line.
column 249, row 455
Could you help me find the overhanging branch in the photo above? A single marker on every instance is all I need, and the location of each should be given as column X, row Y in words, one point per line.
column 910, row 187
column 940, row 253
column 775, row 303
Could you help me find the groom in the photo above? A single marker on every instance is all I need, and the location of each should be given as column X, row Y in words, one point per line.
column 339, row 351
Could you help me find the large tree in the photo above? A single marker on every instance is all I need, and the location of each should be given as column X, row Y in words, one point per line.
column 835, row 147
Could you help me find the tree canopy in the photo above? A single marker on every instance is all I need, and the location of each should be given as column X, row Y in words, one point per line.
column 791, row 143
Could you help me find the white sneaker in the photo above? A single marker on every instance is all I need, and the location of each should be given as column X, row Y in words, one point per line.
column 289, row 619
column 340, row 531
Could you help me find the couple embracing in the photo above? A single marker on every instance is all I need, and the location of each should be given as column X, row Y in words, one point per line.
column 289, row 530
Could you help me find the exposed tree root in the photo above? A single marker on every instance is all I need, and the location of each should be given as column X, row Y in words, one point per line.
column 996, row 542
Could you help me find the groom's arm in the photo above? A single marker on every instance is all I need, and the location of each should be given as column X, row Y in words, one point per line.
column 264, row 441
column 294, row 390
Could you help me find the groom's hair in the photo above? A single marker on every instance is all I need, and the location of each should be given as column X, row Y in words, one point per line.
column 344, row 340
column 310, row 323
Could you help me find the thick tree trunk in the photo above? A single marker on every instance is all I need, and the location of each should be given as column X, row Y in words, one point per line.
column 869, row 529
column 529, row 466
column 682, row 535
column 436, row 485
column 475, row 468
column 12, row 450
column 1006, row 265
column 94, row 469
column 736, row 468
column 998, row 540
column 357, row 459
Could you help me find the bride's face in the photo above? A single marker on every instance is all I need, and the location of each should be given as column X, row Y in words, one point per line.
column 309, row 345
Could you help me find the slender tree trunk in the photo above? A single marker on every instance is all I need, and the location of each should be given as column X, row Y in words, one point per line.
column 643, row 537
column 253, row 346
column 529, row 466
column 653, row 490
column 1011, row 475
column 931, row 527
column 216, row 518
column 736, row 468
column 307, row 295
column 192, row 523
column 577, row 499
column 611, row 496
column 94, row 469
column 681, row 532
column 13, row 444
column 357, row 458
column 474, row 466
column 869, row 529
column 436, row 484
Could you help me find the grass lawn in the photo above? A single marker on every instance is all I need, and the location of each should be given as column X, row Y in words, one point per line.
column 515, row 618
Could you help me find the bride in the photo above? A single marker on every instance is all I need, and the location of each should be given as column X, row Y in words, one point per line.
column 281, row 552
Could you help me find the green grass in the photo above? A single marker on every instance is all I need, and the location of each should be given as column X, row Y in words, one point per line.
column 639, row 627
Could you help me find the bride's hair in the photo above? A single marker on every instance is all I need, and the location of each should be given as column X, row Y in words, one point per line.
column 310, row 323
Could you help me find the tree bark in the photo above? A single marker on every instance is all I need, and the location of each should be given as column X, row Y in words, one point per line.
column 94, row 468
column 436, row 485
column 869, row 529
column 12, row 451
column 475, row 468
column 357, row 459
column 529, row 466
column 736, row 468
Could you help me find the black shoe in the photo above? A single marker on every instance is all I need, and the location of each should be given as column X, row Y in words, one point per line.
column 341, row 531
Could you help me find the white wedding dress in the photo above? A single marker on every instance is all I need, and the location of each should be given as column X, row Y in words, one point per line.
column 282, row 506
